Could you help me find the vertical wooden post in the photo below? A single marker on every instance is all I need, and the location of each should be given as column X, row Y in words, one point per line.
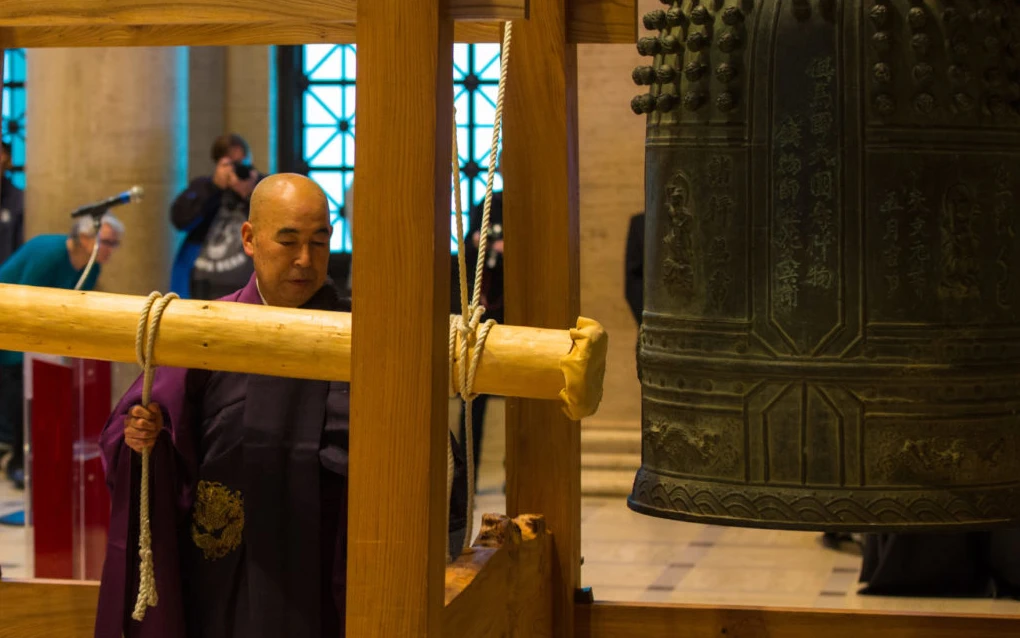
column 542, row 271
column 398, row 525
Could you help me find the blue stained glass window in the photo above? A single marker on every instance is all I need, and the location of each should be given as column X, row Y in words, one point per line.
column 12, row 115
column 328, row 121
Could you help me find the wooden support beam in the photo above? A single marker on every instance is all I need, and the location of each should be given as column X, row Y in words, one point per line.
column 45, row 608
column 629, row 620
column 501, row 586
column 397, row 526
column 280, row 342
column 52, row 13
column 602, row 21
column 542, row 272
column 147, row 35
column 160, row 35
column 588, row 22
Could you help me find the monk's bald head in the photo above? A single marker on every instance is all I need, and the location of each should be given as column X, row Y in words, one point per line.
column 277, row 194
column 287, row 236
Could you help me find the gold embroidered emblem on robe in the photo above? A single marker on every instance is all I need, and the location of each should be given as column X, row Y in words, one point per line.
column 217, row 521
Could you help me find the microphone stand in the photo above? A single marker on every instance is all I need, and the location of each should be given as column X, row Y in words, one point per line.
column 97, row 222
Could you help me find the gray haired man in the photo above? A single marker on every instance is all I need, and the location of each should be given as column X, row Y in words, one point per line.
column 50, row 261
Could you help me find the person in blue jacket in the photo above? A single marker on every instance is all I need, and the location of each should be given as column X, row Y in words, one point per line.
column 49, row 261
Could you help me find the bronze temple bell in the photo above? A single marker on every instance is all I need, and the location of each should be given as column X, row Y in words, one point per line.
column 832, row 278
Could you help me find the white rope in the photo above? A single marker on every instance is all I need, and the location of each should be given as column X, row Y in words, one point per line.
column 145, row 345
column 473, row 336
column 90, row 264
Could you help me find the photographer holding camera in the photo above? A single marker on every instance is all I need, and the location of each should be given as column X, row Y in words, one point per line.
column 211, row 261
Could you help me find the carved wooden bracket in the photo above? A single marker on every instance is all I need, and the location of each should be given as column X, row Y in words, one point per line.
column 508, row 571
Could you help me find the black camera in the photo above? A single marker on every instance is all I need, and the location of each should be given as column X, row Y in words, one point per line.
column 242, row 169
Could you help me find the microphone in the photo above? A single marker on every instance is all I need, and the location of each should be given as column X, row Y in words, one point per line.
column 131, row 195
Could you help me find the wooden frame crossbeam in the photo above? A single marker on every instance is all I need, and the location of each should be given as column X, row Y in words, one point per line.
column 627, row 620
column 51, row 13
column 117, row 23
column 210, row 34
column 44, row 607
column 38, row 608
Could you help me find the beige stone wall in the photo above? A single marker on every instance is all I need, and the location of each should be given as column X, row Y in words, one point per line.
column 250, row 100
column 611, row 142
column 207, row 112
column 232, row 90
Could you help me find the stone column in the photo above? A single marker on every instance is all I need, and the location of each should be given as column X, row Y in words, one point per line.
column 99, row 121
column 207, row 81
column 611, row 140
column 251, row 101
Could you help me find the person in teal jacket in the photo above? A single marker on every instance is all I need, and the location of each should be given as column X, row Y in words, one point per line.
column 50, row 261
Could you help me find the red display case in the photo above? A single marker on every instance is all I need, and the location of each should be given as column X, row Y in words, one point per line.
column 67, row 403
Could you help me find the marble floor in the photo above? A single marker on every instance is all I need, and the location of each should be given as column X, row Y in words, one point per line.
column 629, row 557
column 15, row 551
column 635, row 558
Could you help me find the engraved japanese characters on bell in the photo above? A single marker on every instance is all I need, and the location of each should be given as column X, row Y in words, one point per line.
column 959, row 250
column 823, row 159
column 919, row 256
column 806, row 231
column 719, row 221
column 960, row 244
column 698, row 255
column 889, row 214
column 907, row 219
column 719, row 281
column 786, row 236
column 1002, row 210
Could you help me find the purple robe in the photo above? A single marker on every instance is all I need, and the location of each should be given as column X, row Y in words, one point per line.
column 272, row 448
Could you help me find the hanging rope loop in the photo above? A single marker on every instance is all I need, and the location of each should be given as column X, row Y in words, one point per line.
column 468, row 325
column 145, row 346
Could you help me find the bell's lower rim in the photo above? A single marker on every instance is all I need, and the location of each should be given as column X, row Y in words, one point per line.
column 813, row 509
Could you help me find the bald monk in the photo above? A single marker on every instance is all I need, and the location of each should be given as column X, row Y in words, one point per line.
column 249, row 491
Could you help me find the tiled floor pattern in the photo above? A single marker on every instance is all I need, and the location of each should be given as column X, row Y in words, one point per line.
column 15, row 554
column 630, row 557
